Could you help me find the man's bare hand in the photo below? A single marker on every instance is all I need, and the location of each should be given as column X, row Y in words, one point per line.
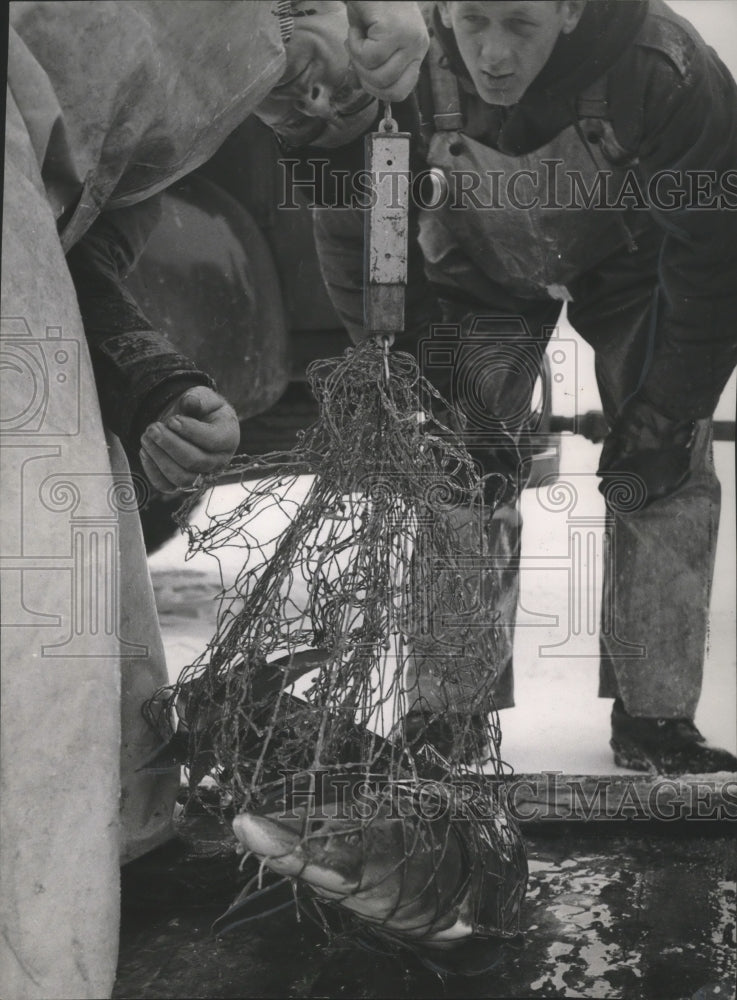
column 386, row 42
column 197, row 433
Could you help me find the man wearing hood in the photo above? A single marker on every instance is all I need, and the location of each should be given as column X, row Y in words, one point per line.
column 581, row 153
column 107, row 105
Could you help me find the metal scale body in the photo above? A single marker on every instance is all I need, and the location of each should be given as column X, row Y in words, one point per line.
column 385, row 278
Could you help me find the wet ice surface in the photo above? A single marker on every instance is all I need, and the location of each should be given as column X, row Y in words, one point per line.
column 644, row 918
column 647, row 913
column 645, row 910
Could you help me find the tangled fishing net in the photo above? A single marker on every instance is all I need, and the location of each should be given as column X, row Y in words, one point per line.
column 359, row 639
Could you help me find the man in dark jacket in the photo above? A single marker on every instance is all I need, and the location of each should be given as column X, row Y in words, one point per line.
column 108, row 104
column 580, row 153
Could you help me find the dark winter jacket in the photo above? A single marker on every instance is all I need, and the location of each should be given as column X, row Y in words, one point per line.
column 138, row 372
column 671, row 106
column 121, row 100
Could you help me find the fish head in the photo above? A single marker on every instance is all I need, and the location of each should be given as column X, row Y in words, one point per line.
column 327, row 844
column 368, row 850
column 326, row 859
column 396, row 859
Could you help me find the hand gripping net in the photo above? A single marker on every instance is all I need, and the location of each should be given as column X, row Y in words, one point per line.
column 360, row 635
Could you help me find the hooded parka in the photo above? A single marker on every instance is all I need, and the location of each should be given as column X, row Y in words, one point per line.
column 107, row 104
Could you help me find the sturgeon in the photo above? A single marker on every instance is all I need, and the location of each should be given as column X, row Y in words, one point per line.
column 425, row 862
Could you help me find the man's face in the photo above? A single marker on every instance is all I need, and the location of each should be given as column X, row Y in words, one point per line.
column 505, row 44
column 318, row 100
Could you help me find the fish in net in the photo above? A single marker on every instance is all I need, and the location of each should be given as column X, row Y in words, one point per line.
column 344, row 706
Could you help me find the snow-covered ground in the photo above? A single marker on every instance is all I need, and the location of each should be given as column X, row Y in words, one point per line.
column 558, row 722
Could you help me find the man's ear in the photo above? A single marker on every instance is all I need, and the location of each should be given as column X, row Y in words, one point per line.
column 572, row 11
column 444, row 12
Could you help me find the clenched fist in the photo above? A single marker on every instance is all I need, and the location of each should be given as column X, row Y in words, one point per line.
column 197, row 433
column 387, row 43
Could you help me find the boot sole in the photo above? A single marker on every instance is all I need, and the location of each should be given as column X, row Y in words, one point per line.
column 629, row 757
column 635, row 759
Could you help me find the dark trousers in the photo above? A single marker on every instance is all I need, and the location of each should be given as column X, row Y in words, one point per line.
column 659, row 560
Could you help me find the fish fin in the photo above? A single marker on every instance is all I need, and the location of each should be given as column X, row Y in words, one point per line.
column 284, row 671
column 371, row 944
column 476, row 956
column 167, row 755
column 200, row 767
column 249, row 905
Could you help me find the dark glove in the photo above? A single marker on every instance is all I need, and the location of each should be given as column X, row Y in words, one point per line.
column 646, row 456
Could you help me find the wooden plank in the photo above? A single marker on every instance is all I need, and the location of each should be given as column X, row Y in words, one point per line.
column 552, row 796
column 593, row 425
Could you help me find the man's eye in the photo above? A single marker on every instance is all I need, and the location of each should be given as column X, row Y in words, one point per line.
column 521, row 26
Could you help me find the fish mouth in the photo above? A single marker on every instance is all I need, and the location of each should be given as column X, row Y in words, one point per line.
column 413, row 880
column 285, row 849
column 268, row 838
